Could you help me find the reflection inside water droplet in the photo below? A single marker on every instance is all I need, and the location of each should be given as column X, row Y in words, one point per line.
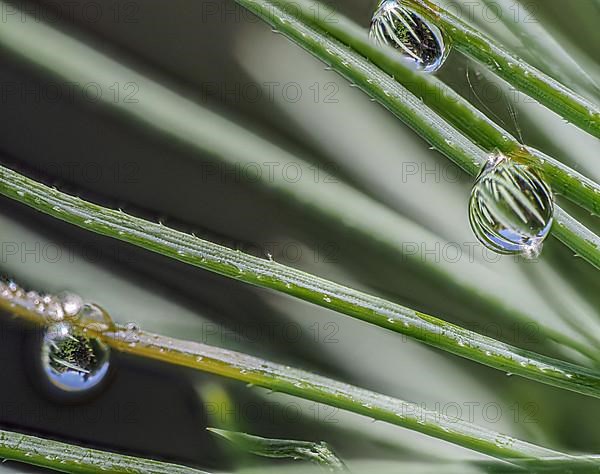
column 71, row 361
column 511, row 208
column 421, row 43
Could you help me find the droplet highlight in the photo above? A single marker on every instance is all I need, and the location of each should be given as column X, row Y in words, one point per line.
column 421, row 43
column 71, row 361
column 511, row 207
column 71, row 304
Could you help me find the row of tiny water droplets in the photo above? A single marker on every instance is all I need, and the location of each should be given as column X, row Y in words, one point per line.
column 71, row 360
column 420, row 43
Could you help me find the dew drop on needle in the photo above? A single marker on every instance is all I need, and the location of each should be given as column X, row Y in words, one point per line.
column 511, row 208
column 71, row 304
column 95, row 318
column 71, row 361
column 420, row 43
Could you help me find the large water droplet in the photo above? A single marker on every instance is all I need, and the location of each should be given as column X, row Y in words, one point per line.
column 511, row 207
column 421, row 43
column 71, row 361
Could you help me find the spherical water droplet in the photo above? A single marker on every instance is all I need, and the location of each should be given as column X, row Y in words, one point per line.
column 53, row 310
column 421, row 43
column 71, row 304
column 132, row 327
column 511, row 207
column 94, row 318
column 72, row 361
column 33, row 297
column 132, row 335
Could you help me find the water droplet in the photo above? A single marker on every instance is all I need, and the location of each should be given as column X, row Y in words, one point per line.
column 131, row 334
column 71, row 304
column 421, row 43
column 33, row 297
column 52, row 309
column 94, row 318
column 72, row 361
column 504, row 441
column 511, row 207
column 132, row 327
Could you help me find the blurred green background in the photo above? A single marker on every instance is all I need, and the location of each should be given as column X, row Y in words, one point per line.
column 226, row 60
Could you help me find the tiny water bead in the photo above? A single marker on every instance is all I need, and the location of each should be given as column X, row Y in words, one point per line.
column 421, row 43
column 511, row 207
column 94, row 318
column 71, row 361
column 71, row 304
column 131, row 334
